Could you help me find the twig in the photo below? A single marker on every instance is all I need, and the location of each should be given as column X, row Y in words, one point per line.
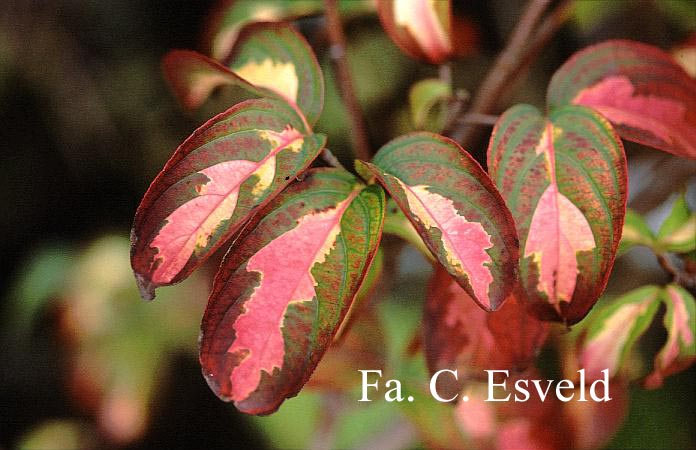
column 345, row 81
column 523, row 45
column 478, row 119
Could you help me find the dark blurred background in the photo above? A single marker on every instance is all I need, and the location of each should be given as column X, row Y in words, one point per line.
column 86, row 121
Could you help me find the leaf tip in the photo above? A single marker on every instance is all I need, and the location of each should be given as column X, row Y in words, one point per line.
column 146, row 287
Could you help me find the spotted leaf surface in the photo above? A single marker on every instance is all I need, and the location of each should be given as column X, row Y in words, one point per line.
column 614, row 331
column 455, row 208
column 211, row 185
column 564, row 179
column 679, row 352
column 421, row 28
column 648, row 97
column 268, row 59
column 459, row 335
column 281, row 295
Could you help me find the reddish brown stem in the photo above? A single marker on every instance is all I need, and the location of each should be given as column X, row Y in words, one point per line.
column 525, row 43
column 337, row 39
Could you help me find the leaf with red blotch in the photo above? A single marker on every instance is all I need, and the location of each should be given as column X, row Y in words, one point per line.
column 679, row 352
column 457, row 334
column 455, row 208
column 613, row 331
column 281, row 295
column 269, row 60
column 212, row 184
column 564, row 179
column 641, row 89
column 421, row 28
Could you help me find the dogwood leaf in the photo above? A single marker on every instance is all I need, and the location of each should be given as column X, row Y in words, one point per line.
column 641, row 89
column 283, row 291
column 214, row 181
column 564, row 179
column 455, row 208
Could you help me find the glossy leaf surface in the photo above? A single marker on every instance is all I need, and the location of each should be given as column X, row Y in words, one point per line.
column 283, row 291
column 455, row 208
column 421, row 28
column 564, row 179
column 639, row 88
column 458, row 334
column 614, row 331
column 268, row 59
column 679, row 352
column 211, row 185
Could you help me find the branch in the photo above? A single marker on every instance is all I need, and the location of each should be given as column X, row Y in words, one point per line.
column 345, row 81
column 525, row 43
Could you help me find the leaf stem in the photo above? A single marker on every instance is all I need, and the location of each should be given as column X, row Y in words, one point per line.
column 337, row 52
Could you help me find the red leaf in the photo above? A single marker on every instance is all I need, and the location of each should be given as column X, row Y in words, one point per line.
column 639, row 88
column 457, row 334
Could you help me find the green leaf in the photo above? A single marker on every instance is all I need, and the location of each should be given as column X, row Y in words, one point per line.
column 281, row 294
column 679, row 352
column 564, row 179
column 678, row 231
column 269, row 60
column 613, row 331
column 641, row 89
column 423, row 96
column 455, row 208
column 228, row 168
column 635, row 232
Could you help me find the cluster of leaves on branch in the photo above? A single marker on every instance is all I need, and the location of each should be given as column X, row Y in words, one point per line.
column 534, row 238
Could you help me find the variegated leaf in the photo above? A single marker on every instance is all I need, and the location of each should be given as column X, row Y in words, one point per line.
column 639, row 88
column 455, row 208
column 211, row 185
column 635, row 232
column 231, row 16
column 280, row 296
column 678, row 232
column 679, row 352
column 268, row 59
column 564, row 179
column 613, row 331
column 396, row 223
column 421, row 28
